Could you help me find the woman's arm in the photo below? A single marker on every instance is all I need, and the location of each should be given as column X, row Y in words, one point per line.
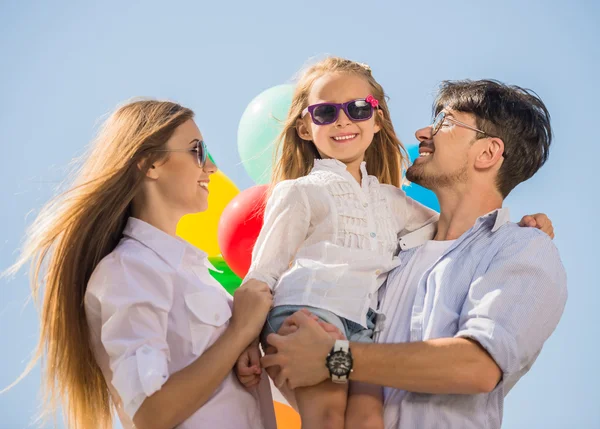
column 135, row 301
column 187, row 390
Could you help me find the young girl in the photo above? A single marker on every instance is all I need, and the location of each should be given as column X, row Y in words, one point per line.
column 131, row 318
column 332, row 223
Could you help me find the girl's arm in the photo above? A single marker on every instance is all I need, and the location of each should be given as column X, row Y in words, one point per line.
column 286, row 222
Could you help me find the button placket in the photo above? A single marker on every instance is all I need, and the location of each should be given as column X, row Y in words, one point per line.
column 372, row 227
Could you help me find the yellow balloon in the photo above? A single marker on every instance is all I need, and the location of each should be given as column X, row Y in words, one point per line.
column 200, row 229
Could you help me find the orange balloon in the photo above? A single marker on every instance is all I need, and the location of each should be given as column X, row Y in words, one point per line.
column 286, row 416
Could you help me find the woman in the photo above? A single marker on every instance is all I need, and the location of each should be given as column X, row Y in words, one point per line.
column 131, row 317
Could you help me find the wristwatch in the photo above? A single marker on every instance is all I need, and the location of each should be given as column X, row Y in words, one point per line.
column 339, row 361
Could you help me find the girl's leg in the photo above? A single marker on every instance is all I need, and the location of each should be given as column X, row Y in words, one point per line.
column 365, row 406
column 322, row 406
column 287, row 393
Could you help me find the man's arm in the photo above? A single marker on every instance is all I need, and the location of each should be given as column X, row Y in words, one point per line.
column 508, row 315
column 447, row 365
column 440, row 366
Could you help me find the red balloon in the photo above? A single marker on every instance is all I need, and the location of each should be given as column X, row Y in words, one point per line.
column 239, row 227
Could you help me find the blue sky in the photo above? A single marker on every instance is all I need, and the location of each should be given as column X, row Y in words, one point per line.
column 65, row 64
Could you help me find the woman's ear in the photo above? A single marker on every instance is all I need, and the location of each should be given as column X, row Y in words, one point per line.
column 151, row 171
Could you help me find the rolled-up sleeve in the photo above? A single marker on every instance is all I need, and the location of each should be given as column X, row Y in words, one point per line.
column 514, row 307
column 285, row 226
column 135, row 303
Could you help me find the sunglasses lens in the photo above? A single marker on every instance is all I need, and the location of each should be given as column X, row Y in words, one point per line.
column 201, row 153
column 360, row 110
column 325, row 114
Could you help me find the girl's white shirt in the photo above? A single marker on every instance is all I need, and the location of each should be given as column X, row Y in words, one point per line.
column 328, row 241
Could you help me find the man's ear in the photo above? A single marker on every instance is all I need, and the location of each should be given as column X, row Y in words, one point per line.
column 492, row 149
column 303, row 130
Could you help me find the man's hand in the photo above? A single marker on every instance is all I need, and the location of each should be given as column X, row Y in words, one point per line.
column 539, row 221
column 289, row 327
column 301, row 354
column 247, row 368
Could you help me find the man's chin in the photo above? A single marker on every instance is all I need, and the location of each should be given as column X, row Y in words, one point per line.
column 415, row 175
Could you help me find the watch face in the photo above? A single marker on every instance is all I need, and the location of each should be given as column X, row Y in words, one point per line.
column 340, row 363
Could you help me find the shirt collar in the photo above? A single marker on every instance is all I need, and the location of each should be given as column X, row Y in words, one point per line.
column 337, row 166
column 331, row 164
column 171, row 249
column 416, row 238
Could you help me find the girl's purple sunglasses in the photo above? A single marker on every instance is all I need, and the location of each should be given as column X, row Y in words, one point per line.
column 356, row 110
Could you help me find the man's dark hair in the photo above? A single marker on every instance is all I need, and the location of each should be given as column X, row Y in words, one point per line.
column 516, row 115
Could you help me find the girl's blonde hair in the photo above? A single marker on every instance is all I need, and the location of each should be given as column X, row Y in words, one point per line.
column 69, row 237
column 386, row 157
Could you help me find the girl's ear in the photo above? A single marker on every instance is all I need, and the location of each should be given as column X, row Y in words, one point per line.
column 379, row 118
column 303, row 130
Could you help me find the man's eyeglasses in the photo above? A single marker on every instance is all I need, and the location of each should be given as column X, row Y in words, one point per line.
column 443, row 116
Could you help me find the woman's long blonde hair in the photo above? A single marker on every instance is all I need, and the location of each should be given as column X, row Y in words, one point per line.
column 69, row 237
column 294, row 157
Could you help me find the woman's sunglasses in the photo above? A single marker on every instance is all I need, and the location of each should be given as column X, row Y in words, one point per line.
column 356, row 110
column 199, row 148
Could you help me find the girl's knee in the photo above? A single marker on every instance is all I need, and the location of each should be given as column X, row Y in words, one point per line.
column 364, row 421
column 332, row 419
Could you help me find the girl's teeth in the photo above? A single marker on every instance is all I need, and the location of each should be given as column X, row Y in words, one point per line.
column 425, row 154
column 345, row 137
column 204, row 185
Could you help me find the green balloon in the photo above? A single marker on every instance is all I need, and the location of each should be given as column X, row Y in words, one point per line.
column 211, row 158
column 226, row 278
column 259, row 128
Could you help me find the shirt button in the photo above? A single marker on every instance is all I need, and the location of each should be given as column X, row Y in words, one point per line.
column 377, row 272
column 217, row 317
column 373, row 235
column 365, row 205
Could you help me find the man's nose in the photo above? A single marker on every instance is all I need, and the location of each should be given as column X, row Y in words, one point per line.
column 424, row 134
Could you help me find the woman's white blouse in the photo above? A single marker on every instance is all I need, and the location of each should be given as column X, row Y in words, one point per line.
column 153, row 308
column 329, row 242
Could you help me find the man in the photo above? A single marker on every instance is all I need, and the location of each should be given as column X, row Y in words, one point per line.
column 475, row 296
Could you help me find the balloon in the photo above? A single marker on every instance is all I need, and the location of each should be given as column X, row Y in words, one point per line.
column 239, row 227
column 224, row 275
column 200, row 229
column 259, row 127
column 286, row 416
column 417, row 192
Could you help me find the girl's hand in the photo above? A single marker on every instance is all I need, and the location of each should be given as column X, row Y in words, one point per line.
column 247, row 367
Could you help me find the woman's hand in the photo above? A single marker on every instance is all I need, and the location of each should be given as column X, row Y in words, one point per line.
column 251, row 303
column 539, row 221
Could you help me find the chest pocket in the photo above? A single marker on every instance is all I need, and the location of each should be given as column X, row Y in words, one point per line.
column 209, row 312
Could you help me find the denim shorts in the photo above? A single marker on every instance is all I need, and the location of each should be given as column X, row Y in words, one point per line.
column 353, row 331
